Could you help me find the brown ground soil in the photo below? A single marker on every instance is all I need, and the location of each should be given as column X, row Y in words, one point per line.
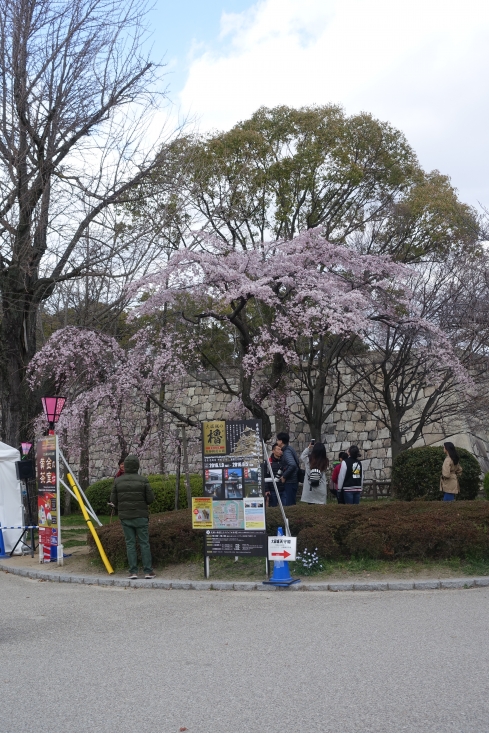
column 83, row 563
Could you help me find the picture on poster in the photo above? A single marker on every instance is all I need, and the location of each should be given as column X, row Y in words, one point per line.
column 202, row 512
column 251, row 482
column 254, row 514
column 233, row 483
column 228, row 514
column 213, row 485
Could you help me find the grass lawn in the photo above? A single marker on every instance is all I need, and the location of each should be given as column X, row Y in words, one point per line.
column 76, row 520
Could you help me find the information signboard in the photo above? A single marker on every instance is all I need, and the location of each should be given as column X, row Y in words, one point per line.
column 48, row 496
column 282, row 548
column 254, row 514
column 235, row 542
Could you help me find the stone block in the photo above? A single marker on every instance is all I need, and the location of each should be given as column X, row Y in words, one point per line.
column 426, row 584
column 481, row 582
column 370, row 586
column 457, row 583
column 340, row 586
column 201, row 584
column 401, row 585
column 180, row 585
column 106, row 581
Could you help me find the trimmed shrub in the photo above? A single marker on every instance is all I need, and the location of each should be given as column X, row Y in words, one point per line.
column 98, row 494
column 379, row 530
column 416, row 474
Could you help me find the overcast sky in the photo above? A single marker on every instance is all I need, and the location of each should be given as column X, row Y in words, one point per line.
column 421, row 65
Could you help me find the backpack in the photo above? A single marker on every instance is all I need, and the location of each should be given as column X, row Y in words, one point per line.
column 314, row 478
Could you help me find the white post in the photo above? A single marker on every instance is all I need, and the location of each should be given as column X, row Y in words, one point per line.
column 59, row 555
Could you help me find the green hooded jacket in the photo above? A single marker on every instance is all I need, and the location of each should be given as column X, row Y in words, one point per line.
column 131, row 493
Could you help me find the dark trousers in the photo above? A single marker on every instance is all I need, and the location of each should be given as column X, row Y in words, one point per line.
column 289, row 494
column 137, row 528
column 352, row 497
column 273, row 497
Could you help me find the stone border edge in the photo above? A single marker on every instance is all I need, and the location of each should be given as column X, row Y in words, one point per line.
column 162, row 584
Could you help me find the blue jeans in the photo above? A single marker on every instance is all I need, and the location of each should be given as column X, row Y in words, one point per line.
column 289, row 494
column 352, row 497
column 448, row 497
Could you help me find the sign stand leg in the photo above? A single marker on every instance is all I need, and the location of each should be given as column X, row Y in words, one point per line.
column 207, row 569
column 267, row 567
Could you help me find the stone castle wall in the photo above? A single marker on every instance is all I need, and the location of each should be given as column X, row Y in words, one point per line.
column 346, row 425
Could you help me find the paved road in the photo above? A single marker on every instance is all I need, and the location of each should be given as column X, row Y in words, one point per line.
column 86, row 659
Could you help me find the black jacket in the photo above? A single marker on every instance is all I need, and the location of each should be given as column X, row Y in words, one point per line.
column 132, row 493
column 290, row 464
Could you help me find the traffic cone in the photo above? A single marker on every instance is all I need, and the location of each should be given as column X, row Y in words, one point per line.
column 2, row 544
column 281, row 573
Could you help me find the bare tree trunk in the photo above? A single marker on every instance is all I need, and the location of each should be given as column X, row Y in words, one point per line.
column 84, row 473
column 161, row 427
column 177, row 472
column 185, row 467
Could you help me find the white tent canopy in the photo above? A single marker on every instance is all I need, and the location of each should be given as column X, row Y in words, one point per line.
column 11, row 509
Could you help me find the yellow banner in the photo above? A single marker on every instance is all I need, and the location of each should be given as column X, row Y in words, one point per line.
column 202, row 513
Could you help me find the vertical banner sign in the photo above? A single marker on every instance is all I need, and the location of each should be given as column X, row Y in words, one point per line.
column 48, row 495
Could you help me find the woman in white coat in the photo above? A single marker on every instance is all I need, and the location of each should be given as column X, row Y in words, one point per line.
column 315, row 484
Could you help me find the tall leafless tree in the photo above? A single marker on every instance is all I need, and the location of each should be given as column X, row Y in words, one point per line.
column 407, row 381
column 77, row 93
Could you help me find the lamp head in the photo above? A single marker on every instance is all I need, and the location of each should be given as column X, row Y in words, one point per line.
column 52, row 407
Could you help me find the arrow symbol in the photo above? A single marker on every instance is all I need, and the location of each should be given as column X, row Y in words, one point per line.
column 283, row 554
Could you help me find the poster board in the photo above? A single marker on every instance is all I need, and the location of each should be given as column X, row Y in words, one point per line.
column 233, row 481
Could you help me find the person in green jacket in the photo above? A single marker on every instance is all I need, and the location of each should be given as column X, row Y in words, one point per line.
column 131, row 496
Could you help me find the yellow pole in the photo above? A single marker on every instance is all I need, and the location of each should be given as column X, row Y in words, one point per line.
column 87, row 519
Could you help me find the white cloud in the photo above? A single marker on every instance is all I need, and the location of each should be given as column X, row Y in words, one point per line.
column 423, row 65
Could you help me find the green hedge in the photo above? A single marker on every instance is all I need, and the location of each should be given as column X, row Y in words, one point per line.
column 98, row 494
column 416, row 474
column 379, row 530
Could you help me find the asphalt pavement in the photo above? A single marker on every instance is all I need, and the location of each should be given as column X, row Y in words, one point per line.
column 89, row 659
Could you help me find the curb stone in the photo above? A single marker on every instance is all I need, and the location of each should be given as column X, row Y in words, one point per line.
column 446, row 584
